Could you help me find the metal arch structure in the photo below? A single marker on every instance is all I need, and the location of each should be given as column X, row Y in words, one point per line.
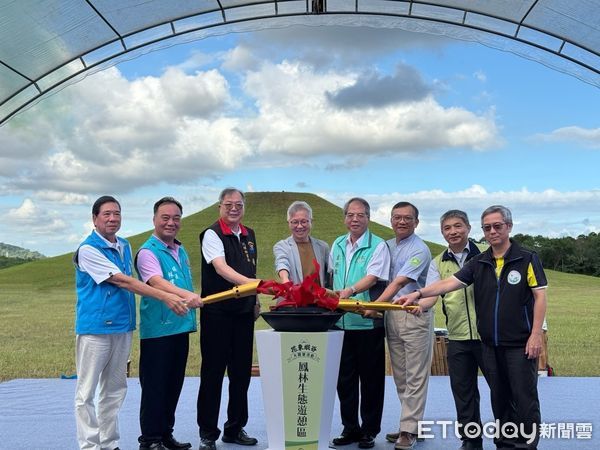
column 45, row 44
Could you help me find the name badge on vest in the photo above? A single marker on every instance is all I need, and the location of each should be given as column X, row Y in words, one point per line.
column 249, row 252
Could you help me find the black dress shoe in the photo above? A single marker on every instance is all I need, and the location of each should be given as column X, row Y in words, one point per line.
column 152, row 446
column 241, row 438
column 346, row 439
column 366, row 441
column 207, row 444
column 171, row 443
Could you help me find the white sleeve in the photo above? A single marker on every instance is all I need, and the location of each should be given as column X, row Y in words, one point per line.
column 212, row 246
column 433, row 274
column 91, row 261
column 379, row 265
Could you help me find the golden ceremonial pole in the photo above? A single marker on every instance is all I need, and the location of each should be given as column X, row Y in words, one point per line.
column 243, row 290
column 350, row 304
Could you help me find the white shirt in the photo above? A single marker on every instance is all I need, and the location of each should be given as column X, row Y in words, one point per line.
column 95, row 264
column 212, row 245
column 433, row 274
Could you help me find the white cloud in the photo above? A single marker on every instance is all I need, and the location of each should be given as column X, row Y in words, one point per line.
column 119, row 135
column 296, row 118
column 586, row 137
column 63, row 198
column 341, row 46
column 240, row 58
column 541, row 212
column 36, row 219
column 480, row 76
column 108, row 133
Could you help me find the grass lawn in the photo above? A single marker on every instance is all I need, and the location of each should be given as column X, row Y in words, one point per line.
column 37, row 338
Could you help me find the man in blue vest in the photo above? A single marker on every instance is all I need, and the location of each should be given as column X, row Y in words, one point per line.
column 229, row 254
column 104, row 324
column 163, row 263
column 360, row 262
column 409, row 337
column 509, row 284
column 464, row 347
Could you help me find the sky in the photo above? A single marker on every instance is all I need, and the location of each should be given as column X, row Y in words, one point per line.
column 384, row 114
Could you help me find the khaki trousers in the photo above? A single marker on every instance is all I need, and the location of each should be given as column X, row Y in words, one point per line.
column 410, row 343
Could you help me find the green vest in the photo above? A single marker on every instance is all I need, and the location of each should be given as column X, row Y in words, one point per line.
column 458, row 306
column 156, row 319
column 358, row 269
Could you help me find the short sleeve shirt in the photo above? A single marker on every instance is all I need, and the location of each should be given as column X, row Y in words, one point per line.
column 212, row 246
column 410, row 258
column 148, row 265
column 91, row 261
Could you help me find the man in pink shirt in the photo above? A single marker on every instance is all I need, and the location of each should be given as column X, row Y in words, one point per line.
column 162, row 262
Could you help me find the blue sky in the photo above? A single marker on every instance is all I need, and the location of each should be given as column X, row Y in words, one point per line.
column 385, row 114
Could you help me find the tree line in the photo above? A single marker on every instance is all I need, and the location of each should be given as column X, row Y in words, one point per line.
column 566, row 254
column 8, row 262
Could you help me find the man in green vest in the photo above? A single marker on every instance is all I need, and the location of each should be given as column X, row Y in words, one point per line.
column 464, row 346
column 163, row 263
column 360, row 262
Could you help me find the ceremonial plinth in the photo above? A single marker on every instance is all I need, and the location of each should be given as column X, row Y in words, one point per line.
column 299, row 372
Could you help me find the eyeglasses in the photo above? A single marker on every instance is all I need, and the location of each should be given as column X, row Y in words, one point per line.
column 496, row 226
column 359, row 216
column 406, row 219
column 230, row 206
column 295, row 223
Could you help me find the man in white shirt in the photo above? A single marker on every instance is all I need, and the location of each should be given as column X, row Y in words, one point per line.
column 104, row 323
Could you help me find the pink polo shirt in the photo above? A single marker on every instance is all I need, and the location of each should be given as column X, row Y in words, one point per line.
column 148, row 265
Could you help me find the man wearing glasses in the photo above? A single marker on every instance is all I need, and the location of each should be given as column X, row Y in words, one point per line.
column 360, row 263
column 294, row 256
column 409, row 336
column 510, row 302
column 464, row 346
column 229, row 254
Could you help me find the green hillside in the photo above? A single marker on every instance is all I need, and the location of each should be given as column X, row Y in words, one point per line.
column 37, row 299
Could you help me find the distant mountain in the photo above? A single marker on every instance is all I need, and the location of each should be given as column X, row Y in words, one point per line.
column 12, row 251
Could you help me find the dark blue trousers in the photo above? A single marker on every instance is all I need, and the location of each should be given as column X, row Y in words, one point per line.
column 513, row 387
column 162, row 371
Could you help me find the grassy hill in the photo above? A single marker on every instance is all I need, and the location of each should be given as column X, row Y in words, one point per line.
column 37, row 299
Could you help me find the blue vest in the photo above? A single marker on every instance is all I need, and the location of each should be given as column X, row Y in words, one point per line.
column 104, row 308
column 156, row 319
column 356, row 271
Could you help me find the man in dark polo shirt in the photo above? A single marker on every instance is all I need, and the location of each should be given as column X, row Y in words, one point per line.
column 226, row 328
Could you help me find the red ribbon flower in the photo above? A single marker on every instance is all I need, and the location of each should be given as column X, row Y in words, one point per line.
column 307, row 293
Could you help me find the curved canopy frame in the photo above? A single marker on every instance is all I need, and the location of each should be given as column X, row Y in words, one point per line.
column 45, row 44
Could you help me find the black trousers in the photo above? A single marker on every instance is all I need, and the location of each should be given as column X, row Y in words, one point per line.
column 162, row 371
column 226, row 344
column 464, row 360
column 362, row 369
column 513, row 387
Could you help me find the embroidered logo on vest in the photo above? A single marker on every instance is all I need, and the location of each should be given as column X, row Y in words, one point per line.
column 514, row 277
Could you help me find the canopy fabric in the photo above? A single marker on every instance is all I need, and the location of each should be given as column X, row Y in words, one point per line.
column 47, row 43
